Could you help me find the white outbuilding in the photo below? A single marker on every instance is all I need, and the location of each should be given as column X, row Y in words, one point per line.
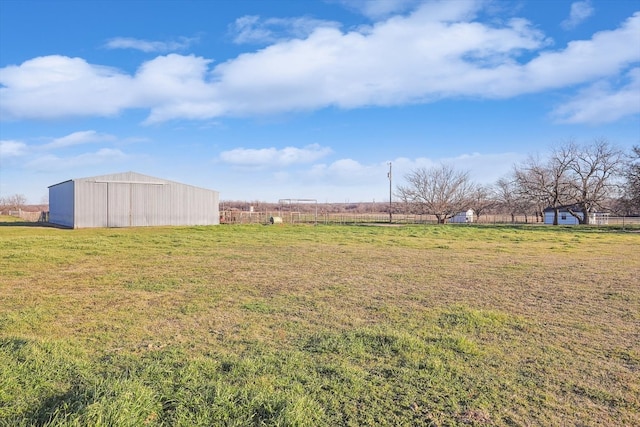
column 462, row 217
column 565, row 217
column 130, row 199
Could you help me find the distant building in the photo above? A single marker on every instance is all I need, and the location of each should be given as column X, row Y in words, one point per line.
column 462, row 217
column 130, row 199
column 566, row 218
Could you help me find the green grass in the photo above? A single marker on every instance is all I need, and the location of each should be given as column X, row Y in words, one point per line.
column 319, row 326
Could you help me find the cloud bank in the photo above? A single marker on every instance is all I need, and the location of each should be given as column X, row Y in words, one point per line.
column 436, row 52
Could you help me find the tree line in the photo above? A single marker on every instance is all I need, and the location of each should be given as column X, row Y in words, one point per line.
column 583, row 179
column 13, row 202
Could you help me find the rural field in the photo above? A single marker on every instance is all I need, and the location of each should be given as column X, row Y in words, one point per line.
column 296, row 325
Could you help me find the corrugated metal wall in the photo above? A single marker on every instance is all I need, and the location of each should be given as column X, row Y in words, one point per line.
column 61, row 204
column 90, row 205
column 130, row 199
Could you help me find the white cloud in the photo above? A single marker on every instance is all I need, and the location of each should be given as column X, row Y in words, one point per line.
column 400, row 61
column 580, row 10
column 602, row 103
column 58, row 86
column 605, row 54
column 274, row 157
column 439, row 9
column 482, row 168
column 485, row 168
column 253, row 29
column 176, row 86
column 343, row 172
column 435, row 52
column 51, row 162
column 149, row 46
column 78, row 138
column 11, row 148
column 342, row 179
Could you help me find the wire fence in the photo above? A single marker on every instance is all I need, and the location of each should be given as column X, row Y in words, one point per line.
column 277, row 217
column 28, row 216
column 294, row 217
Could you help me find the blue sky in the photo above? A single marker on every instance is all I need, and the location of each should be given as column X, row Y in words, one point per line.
column 274, row 99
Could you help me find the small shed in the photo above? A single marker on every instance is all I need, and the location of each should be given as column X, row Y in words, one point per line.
column 462, row 217
column 564, row 215
column 130, row 199
column 566, row 218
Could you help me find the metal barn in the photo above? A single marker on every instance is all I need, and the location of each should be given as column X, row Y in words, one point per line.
column 130, row 199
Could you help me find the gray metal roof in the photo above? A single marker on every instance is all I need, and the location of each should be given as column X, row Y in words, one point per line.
column 127, row 178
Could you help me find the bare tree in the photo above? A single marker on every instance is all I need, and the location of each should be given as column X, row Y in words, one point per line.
column 631, row 173
column 13, row 202
column 508, row 197
column 513, row 199
column 578, row 178
column 546, row 183
column 481, row 200
column 441, row 191
column 592, row 169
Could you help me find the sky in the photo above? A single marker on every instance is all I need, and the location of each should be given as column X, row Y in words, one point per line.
column 264, row 100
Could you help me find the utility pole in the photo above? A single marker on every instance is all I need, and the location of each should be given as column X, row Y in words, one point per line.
column 390, row 205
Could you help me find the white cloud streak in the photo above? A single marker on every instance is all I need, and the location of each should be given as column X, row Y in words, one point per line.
column 253, row 29
column 50, row 162
column 379, row 9
column 580, row 11
column 149, row 46
column 272, row 157
column 79, row 138
column 601, row 103
column 434, row 53
column 41, row 157
column 482, row 168
column 11, row 148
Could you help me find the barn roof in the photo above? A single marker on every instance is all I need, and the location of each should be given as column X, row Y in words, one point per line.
column 127, row 177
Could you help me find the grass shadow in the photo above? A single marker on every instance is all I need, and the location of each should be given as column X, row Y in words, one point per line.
column 30, row 224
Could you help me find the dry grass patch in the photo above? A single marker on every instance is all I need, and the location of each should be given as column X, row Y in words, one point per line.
column 327, row 325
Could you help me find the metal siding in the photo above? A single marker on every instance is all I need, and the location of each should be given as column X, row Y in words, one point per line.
column 142, row 209
column 99, row 208
column 61, row 205
column 90, row 204
column 119, row 204
column 131, row 199
column 195, row 206
column 148, row 203
column 569, row 220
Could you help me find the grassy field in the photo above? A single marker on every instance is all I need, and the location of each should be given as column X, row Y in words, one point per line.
column 319, row 326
